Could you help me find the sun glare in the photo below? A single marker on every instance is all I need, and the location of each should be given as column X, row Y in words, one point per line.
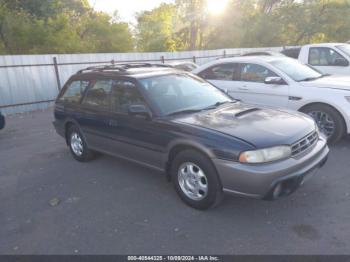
column 216, row 7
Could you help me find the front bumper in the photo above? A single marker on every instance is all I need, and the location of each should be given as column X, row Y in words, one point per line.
column 261, row 181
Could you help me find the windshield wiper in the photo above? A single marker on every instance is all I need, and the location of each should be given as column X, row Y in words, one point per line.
column 185, row 111
column 217, row 104
column 189, row 111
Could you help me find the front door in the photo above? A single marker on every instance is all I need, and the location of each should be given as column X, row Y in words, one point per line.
column 134, row 137
column 328, row 61
column 255, row 91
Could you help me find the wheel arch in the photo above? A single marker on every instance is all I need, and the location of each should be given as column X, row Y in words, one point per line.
column 180, row 146
column 68, row 123
column 329, row 105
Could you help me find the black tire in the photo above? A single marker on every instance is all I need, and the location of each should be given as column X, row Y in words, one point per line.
column 86, row 154
column 339, row 130
column 214, row 194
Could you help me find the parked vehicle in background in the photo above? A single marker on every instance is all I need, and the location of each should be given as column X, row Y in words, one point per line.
column 292, row 52
column 285, row 83
column 328, row 58
column 263, row 53
column 184, row 65
column 2, row 121
column 175, row 122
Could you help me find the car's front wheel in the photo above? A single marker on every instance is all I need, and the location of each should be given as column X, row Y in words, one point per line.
column 78, row 146
column 196, row 180
column 328, row 120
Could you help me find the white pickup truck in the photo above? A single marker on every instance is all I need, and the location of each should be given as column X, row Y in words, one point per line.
column 329, row 58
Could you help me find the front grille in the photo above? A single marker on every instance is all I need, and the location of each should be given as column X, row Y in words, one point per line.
column 305, row 143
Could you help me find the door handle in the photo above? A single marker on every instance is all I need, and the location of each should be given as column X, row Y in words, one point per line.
column 113, row 123
column 243, row 88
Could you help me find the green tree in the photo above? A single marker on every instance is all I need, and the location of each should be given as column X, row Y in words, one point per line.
column 156, row 29
column 59, row 26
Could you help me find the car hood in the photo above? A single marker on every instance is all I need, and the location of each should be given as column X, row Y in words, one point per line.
column 331, row 82
column 261, row 127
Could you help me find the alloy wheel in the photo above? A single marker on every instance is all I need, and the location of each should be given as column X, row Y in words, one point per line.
column 76, row 144
column 193, row 181
column 324, row 122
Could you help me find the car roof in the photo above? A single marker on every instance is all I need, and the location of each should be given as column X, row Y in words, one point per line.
column 261, row 53
column 242, row 59
column 251, row 59
column 325, row 44
column 142, row 70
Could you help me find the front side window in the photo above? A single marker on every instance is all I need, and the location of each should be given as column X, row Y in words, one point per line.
column 74, row 92
column 324, row 56
column 226, row 72
column 296, row 70
column 99, row 95
column 177, row 92
column 124, row 94
column 255, row 73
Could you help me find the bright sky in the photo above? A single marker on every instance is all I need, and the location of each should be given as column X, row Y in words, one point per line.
column 126, row 8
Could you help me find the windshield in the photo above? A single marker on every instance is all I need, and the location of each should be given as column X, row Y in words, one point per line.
column 296, row 70
column 345, row 48
column 182, row 92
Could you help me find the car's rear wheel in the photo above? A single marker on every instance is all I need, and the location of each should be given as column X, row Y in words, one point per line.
column 78, row 146
column 195, row 180
column 328, row 120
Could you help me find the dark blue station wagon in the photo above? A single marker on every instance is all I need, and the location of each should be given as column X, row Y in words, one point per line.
column 205, row 142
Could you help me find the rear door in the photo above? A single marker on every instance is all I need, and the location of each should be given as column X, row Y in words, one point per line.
column 225, row 77
column 254, row 90
column 95, row 113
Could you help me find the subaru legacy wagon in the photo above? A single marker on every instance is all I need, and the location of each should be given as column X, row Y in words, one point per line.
column 203, row 140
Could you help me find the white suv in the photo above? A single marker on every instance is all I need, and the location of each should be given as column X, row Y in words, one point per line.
column 286, row 83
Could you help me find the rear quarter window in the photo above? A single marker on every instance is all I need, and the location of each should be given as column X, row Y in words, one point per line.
column 74, row 91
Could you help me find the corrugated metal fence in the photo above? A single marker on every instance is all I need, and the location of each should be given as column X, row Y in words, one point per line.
column 31, row 82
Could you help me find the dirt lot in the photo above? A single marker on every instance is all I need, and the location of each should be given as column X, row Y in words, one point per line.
column 51, row 204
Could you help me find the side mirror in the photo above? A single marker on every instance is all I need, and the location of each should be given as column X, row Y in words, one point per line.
column 139, row 111
column 274, row 80
column 341, row 62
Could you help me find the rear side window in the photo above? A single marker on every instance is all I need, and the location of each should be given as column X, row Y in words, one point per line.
column 74, row 92
column 226, row 72
column 99, row 95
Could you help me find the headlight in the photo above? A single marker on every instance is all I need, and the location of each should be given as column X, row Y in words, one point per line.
column 348, row 98
column 265, row 155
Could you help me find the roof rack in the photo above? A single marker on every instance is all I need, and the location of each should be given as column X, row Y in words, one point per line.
column 121, row 67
